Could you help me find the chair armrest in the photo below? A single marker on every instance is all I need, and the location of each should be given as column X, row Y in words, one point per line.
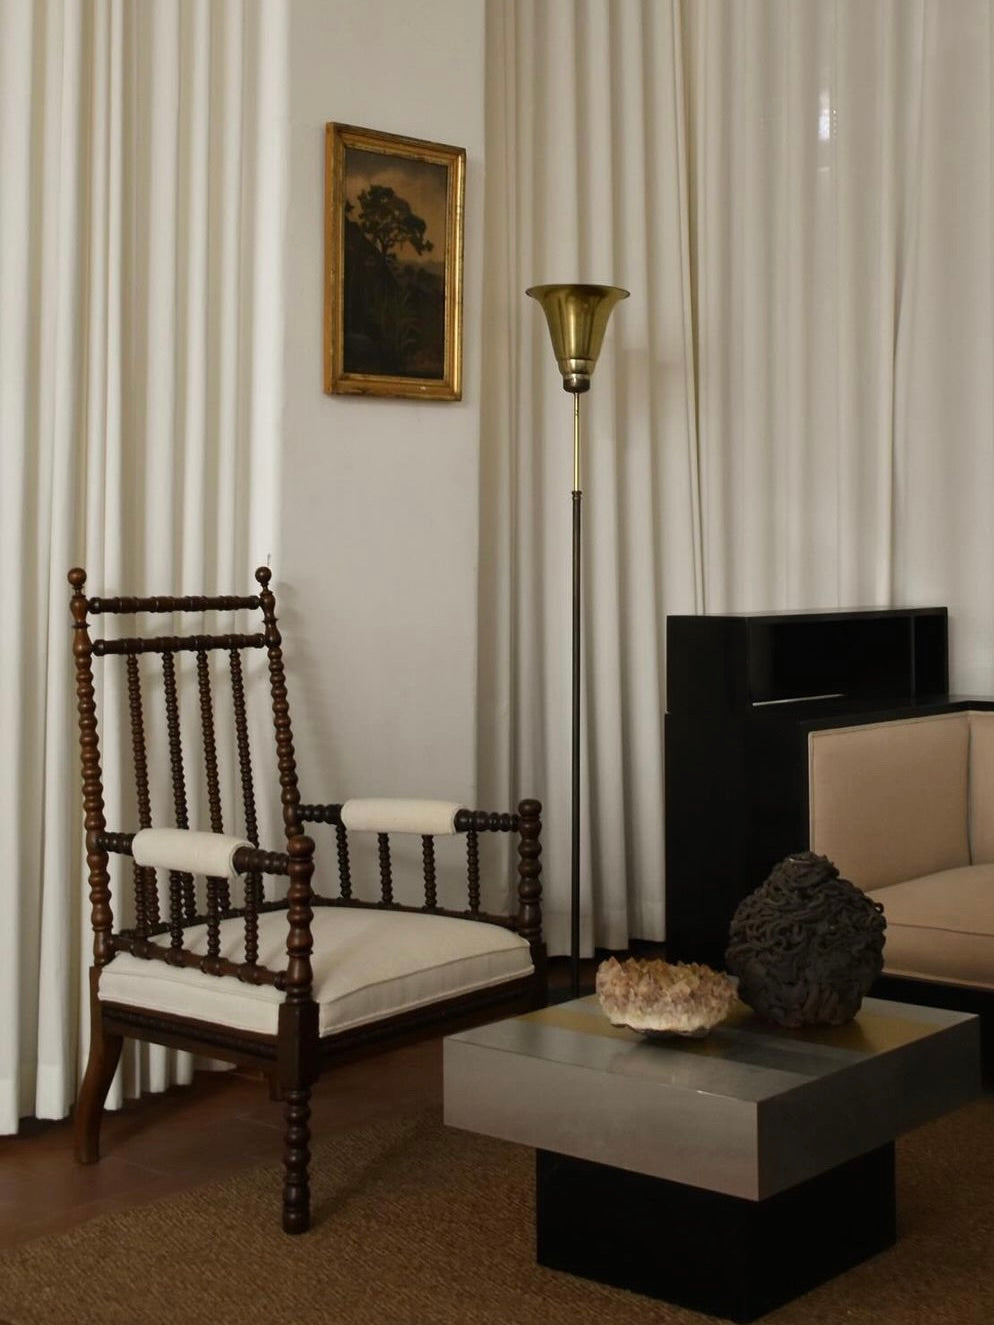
column 480, row 821
column 442, row 818
column 180, row 856
column 246, row 859
column 426, row 818
column 190, row 852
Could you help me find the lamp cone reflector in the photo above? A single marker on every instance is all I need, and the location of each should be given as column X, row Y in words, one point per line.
column 577, row 316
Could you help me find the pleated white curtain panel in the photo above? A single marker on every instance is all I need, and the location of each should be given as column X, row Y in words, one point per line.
column 794, row 408
column 141, row 217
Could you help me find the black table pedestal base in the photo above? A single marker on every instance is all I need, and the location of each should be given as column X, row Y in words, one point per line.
column 719, row 1254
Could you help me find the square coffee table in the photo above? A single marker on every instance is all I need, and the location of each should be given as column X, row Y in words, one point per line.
column 727, row 1174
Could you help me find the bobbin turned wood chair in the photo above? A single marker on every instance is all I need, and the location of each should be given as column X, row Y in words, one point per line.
column 285, row 985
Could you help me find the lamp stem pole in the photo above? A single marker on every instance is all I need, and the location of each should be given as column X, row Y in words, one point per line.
column 577, row 317
column 575, row 826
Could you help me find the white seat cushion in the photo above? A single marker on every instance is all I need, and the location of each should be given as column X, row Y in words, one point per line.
column 941, row 926
column 367, row 965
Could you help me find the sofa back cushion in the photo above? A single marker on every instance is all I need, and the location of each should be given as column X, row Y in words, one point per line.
column 982, row 788
column 888, row 800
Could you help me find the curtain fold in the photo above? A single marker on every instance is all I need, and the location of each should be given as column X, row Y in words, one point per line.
column 793, row 409
column 586, row 181
column 140, row 352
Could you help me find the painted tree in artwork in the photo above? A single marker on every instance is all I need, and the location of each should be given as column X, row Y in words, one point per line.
column 387, row 221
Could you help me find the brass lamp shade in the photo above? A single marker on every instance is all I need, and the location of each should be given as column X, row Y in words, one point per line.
column 577, row 316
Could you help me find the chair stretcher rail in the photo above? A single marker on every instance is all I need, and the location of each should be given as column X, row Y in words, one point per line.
column 177, row 644
column 163, row 603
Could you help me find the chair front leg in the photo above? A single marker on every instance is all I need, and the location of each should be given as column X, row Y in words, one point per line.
column 296, row 1159
column 296, row 1069
column 105, row 1054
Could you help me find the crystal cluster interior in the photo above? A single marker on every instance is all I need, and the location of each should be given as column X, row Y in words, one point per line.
column 657, row 997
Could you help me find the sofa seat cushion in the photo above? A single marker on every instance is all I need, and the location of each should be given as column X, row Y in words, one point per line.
column 941, row 926
column 367, row 965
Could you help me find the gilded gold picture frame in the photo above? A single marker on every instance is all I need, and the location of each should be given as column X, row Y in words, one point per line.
column 393, row 265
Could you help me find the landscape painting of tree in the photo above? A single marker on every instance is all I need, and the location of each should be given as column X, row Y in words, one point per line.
column 393, row 236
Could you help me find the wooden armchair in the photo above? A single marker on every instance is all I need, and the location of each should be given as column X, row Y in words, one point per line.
column 285, row 985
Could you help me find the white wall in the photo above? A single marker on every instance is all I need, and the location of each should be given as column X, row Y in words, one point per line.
column 376, row 572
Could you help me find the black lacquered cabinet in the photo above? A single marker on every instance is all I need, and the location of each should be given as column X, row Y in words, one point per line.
column 743, row 691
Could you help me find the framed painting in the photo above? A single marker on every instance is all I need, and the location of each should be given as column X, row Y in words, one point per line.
column 393, row 265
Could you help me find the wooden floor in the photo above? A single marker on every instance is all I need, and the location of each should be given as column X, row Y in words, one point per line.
column 222, row 1123
column 161, row 1144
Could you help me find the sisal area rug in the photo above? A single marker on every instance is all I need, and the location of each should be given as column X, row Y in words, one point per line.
column 418, row 1224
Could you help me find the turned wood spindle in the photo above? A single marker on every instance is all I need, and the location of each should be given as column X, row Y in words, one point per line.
column 299, row 942
column 296, row 1159
column 285, row 758
column 182, row 902
column 344, row 865
column 473, row 868
column 428, row 857
column 218, row 886
column 253, row 880
column 530, row 871
column 146, row 892
column 386, row 868
column 101, row 915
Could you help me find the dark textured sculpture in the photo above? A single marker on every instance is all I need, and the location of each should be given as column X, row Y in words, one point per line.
column 806, row 945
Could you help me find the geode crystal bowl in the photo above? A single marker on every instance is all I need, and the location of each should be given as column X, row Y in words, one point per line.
column 658, row 998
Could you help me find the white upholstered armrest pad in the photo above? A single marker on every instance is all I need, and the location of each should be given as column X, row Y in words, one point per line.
column 186, row 850
column 367, row 964
column 380, row 815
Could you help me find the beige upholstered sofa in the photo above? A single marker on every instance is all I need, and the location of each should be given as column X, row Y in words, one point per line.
column 905, row 809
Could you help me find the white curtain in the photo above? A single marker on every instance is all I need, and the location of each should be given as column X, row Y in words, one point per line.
column 141, row 218
column 794, row 408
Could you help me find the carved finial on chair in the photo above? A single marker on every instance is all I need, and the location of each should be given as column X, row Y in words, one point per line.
column 264, row 575
column 77, row 604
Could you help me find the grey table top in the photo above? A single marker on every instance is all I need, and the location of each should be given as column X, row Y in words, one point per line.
column 749, row 1110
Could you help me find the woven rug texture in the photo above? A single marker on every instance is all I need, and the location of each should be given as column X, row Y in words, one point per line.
column 419, row 1224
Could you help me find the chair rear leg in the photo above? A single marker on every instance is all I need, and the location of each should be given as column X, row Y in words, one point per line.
column 105, row 1054
column 296, row 1158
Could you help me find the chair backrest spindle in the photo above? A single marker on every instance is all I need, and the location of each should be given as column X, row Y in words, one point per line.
column 146, row 892
column 253, row 882
column 221, row 889
column 185, row 881
column 210, row 742
column 242, row 740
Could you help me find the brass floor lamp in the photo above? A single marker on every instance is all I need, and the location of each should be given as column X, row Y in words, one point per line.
column 577, row 316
